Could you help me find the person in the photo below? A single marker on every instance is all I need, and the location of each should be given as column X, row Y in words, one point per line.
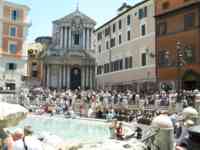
column 7, row 141
column 183, row 142
column 18, row 134
column 112, row 128
column 138, row 133
column 119, row 132
column 90, row 112
column 28, row 142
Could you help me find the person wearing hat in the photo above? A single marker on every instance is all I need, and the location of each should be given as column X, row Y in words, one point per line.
column 28, row 142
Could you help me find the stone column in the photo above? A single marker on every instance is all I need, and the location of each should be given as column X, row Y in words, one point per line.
column 83, row 39
column 61, row 37
column 83, row 77
column 86, row 74
column 64, row 75
column 85, row 33
column 91, row 76
column 70, row 39
column 68, row 76
column 89, row 81
column 65, row 39
column 60, row 76
column 88, row 38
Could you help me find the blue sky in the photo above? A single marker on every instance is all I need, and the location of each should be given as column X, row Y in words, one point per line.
column 43, row 12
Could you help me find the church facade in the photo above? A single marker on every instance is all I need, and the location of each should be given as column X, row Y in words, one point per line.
column 69, row 62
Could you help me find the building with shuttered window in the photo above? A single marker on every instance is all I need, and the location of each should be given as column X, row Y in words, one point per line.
column 125, row 49
column 178, row 20
column 13, row 31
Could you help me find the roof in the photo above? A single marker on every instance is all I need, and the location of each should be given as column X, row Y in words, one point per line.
column 132, row 7
column 70, row 17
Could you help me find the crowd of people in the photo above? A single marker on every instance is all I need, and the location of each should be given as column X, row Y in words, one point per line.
column 20, row 140
column 127, row 105
column 111, row 105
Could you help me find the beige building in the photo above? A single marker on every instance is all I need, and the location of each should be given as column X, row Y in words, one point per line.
column 13, row 30
column 125, row 49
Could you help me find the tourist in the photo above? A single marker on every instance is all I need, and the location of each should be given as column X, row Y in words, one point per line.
column 90, row 112
column 18, row 134
column 119, row 132
column 7, row 140
column 28, row 142
column 183, row 141
column 113, row 128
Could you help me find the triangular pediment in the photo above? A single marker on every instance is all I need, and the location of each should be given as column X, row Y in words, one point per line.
column 76, row 14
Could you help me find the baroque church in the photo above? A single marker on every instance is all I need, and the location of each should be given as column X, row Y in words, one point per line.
column 69, row 62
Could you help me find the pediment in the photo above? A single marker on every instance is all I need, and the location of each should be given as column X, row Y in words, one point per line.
column 76, row 17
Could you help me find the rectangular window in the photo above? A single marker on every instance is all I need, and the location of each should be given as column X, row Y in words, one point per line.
column 99, row 36
column 99, row 48
column 114, row 28
column 13, row 31
column 120, row 64
column 142, row 12
column 11, row 66
column 120, row 24
column 106, row 68
column 128, row 62
column 162, row 28
column 128, row 20
column 189, row 20
column 14, row 15
column 99, row 70
column 120, row 39
column 129, row 35
column 107, row 31
column 12, row 48
column 76, row 39
column 144, row 63
column 107, row 45
column 112, row 42
column 143, row 30
column 165, row 5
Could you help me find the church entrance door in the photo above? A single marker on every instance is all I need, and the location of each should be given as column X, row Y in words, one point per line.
column 75, row 78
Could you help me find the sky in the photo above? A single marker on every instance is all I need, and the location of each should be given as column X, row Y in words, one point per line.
column 43, row 12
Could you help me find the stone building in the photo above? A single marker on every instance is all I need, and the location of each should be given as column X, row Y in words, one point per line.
column 13, row 30
column 69, row 61
column 178, row 20
column 125, row 49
